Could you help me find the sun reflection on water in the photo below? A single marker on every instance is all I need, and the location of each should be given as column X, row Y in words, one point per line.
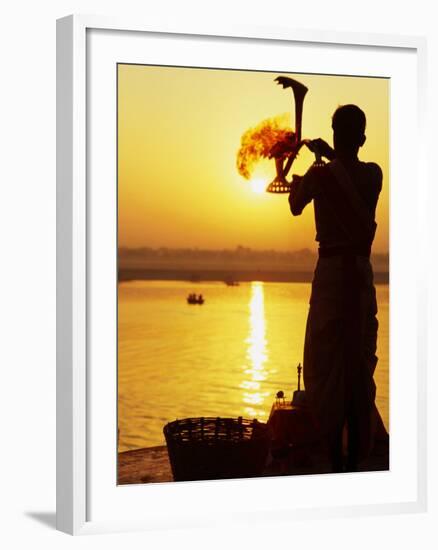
column 257, row 355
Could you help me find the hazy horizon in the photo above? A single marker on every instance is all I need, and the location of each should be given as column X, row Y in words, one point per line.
column 239, row 263
column 230, row 248
column 236, row 249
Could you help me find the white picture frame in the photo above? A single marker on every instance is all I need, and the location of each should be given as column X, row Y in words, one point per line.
column 77, row 418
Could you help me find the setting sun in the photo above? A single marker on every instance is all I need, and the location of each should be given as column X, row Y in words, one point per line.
column 155, row 192
column 258, row 185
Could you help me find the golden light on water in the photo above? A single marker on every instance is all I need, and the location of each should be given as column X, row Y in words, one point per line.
column 257, row 354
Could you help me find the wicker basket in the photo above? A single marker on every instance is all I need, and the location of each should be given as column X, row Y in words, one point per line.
column 216, row 448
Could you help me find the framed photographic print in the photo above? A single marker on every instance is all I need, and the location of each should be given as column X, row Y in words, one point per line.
column 240, row 327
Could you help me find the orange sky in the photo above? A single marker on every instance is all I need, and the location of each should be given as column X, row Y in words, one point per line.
column 178, row 134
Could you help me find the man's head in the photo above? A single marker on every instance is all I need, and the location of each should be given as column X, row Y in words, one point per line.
column 348, row 125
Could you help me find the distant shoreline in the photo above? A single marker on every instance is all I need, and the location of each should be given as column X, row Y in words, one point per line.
column 243, row 276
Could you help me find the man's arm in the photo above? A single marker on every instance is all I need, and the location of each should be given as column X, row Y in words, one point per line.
column 375, row 176
column 322, row 148
column 303, row 189
column 301, row 193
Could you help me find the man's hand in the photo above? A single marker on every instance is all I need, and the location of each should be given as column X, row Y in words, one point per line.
column 322, row 147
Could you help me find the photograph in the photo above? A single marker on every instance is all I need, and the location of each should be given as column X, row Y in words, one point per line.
column 253, row 291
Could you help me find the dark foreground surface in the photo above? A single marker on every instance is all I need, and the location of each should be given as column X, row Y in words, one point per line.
column 151, row 465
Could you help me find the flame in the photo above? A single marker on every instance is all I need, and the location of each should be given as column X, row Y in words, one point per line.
column 257, row 142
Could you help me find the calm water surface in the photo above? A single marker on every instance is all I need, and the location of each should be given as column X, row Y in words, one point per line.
column 227, row 357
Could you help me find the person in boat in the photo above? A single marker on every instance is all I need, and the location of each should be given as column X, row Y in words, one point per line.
column 341, row 331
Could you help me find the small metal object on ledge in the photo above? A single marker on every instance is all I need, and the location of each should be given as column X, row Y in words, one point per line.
column 299, row 395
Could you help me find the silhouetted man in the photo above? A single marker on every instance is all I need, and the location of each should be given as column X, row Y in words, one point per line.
column 341, row 333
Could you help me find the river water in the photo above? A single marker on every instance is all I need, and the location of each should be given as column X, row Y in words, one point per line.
column 227, row 357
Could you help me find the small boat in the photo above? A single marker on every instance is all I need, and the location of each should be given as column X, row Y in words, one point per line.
column 231, row 282
column 193, row 299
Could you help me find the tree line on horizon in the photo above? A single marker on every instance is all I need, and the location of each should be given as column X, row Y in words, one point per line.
column 241, row 253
